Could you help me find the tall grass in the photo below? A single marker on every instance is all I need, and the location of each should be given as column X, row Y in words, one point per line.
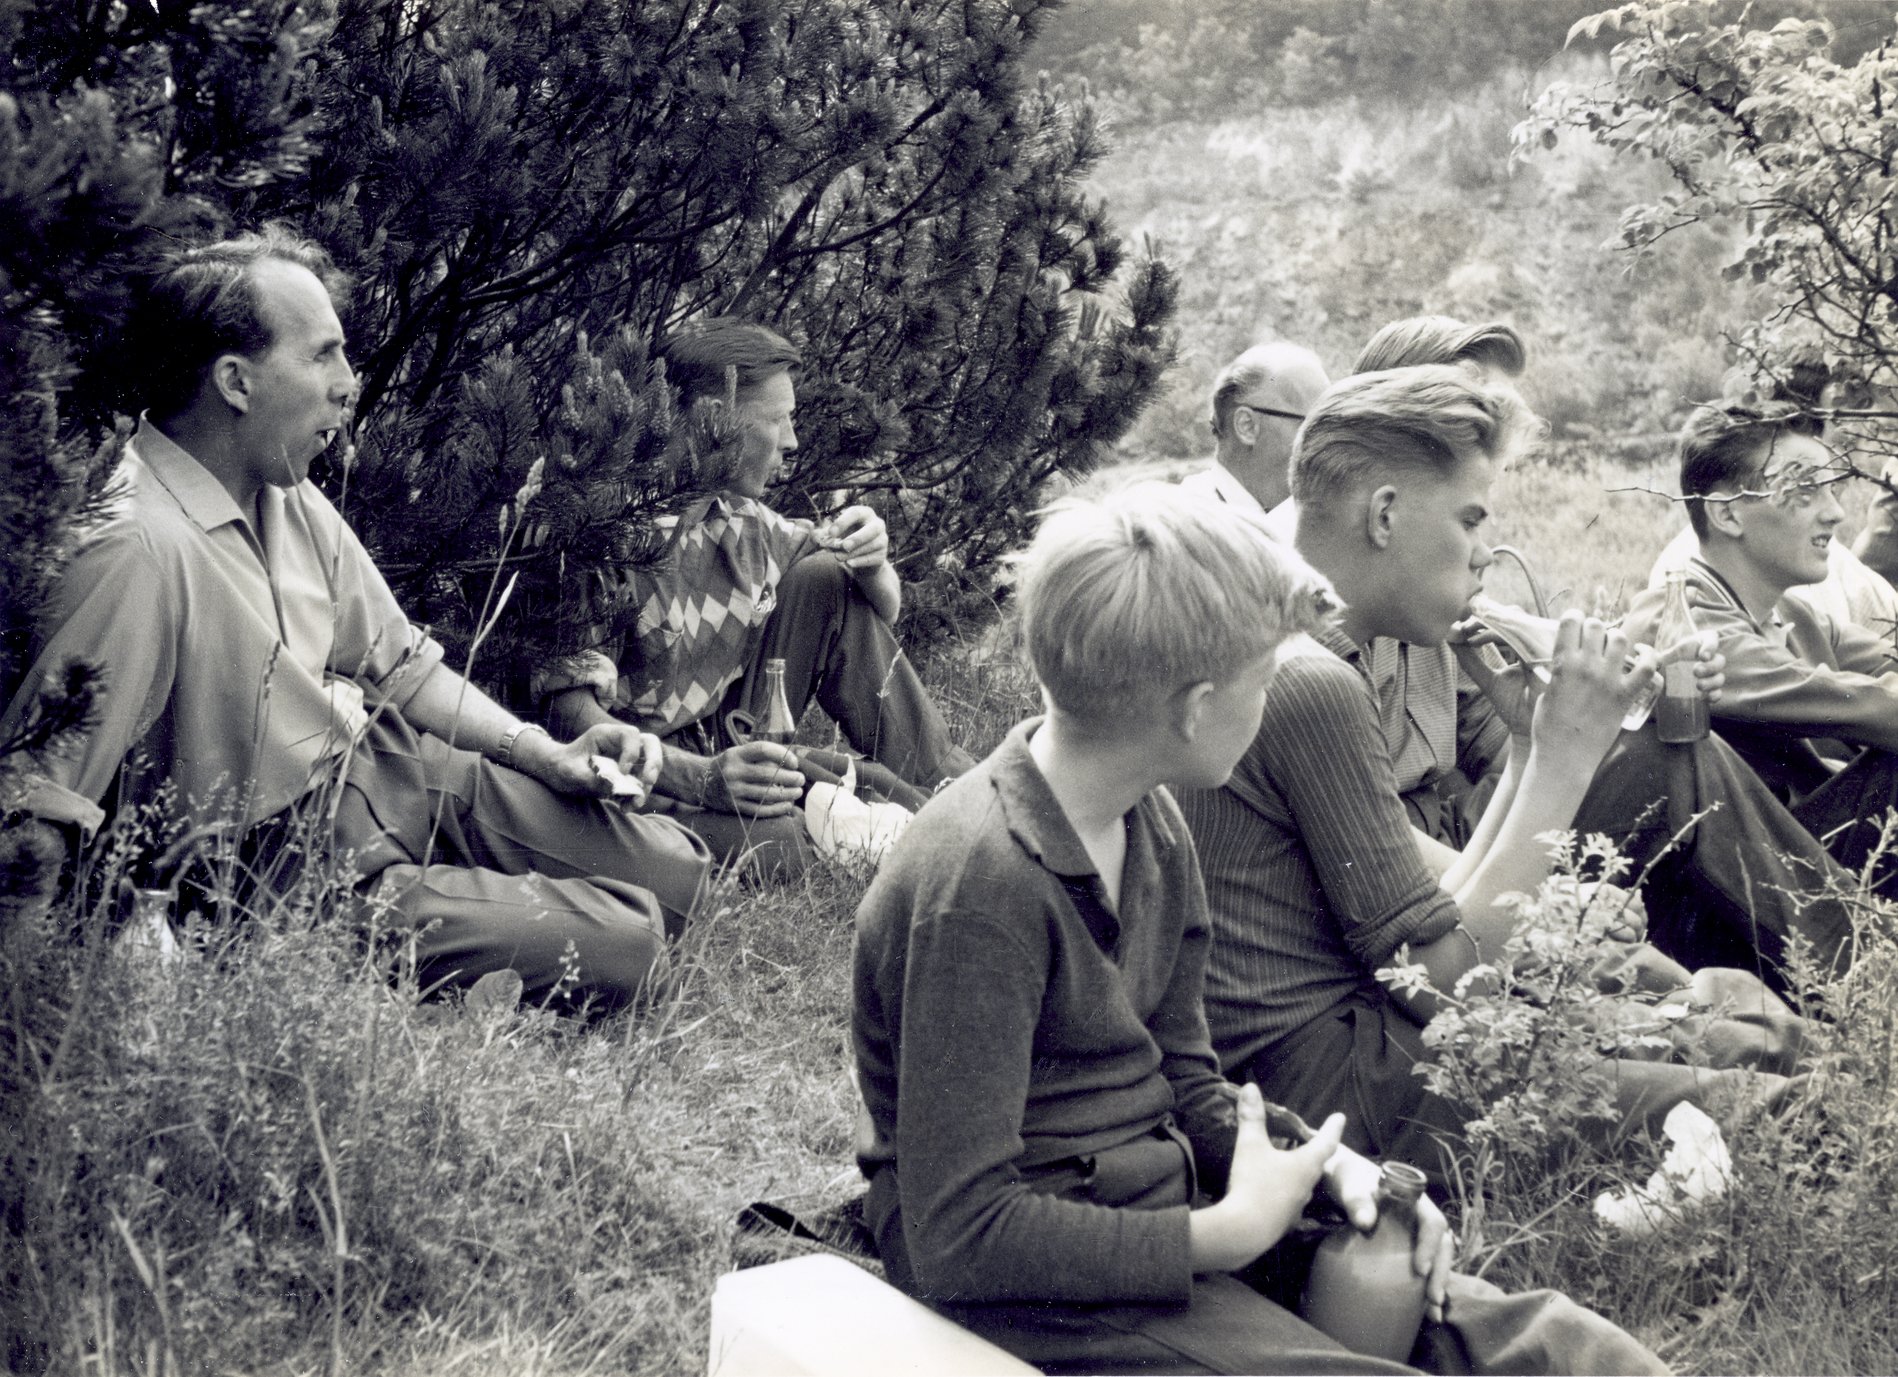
column 274, row 1156
column 1795, row 1267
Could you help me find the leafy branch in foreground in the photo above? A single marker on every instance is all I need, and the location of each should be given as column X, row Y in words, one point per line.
column 1762, row 127
column 1523, row 1042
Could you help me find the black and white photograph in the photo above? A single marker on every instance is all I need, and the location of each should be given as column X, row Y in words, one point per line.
column 840, row 688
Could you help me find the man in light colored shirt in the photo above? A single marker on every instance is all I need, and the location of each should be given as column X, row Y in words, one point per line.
column 1810, row 701
column 260, row 680
column 1259, row 400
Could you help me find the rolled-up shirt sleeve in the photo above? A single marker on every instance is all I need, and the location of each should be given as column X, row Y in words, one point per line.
column 376, row 645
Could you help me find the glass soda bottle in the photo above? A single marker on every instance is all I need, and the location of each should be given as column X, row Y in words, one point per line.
column 777, row 724
column 1362, row 1290
column 1681, row 714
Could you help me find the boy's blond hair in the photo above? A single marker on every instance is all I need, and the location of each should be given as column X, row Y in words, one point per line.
column 1135, row 587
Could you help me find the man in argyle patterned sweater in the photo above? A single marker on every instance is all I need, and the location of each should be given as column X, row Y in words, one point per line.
column 740, row 585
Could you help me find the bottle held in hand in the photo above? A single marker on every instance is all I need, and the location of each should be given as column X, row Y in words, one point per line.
column 1681, row 715
column 1362, row 1289
column 778, row 724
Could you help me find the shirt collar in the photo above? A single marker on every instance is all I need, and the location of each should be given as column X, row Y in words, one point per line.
column 1228, row 489
column 204, row 499
column 1711, row 580
column 1034, row 815
column 1333, row 638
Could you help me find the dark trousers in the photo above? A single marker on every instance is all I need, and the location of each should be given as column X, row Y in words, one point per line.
column 837, row 650
column 1845, row 810
column 1742, row 879
column 1732, row 887
column 1235, row 1324
column 493, row 870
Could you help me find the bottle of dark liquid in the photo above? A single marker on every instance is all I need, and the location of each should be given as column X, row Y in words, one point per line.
column 777, row 724
column 1681, row 714
column 1362, row 1290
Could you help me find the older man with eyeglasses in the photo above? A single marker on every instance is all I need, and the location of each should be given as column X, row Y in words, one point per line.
column 1259, row 399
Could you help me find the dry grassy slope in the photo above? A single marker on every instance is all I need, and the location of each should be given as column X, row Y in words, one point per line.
column 1319, row 225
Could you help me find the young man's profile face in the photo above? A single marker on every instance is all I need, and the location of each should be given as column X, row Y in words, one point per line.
column 767, row 434
column 1434, row 562
column 301, row 386
column 1787, row 535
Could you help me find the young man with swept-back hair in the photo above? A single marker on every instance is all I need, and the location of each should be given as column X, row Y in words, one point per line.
column 1313, row 873
column 741, row 584
column 1444, row 735
column 259, row 675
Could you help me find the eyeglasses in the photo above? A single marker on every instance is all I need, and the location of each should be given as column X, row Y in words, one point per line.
column 1269, row 411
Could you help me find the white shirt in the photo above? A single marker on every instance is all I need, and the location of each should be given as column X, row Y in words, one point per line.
column 1218, row 481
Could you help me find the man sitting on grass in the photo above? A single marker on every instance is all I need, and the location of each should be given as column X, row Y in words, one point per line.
column 1314, row 874
column 1444, row 734
column 1054, row 1160
column 258, row 672
column 739, row 585
column 1810, row 701
column 1258, row 401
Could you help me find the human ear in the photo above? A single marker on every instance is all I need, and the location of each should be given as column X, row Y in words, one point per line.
column 1380, row 516
column 1189, row 706
column 230, row 375
column 1724, row 515
column 1245, row 426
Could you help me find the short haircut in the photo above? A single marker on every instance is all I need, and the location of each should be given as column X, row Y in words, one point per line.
column 1439, row 339
column 1251, row 370
column 705, row 358
column 1234, row 381
column 1727, row 449
column 1422, row 419
column 1134, row 587
column 202, row 303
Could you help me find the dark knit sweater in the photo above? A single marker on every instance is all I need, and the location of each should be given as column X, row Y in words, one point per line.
column 1008, row 1020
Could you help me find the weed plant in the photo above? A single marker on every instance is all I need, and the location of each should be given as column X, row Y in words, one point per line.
column 1795, row 1268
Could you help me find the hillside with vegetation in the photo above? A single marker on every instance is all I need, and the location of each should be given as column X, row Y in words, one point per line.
column 1312, row 171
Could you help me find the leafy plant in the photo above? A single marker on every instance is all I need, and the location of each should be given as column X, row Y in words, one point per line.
column 1770, row 127
column 1523, row 1043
